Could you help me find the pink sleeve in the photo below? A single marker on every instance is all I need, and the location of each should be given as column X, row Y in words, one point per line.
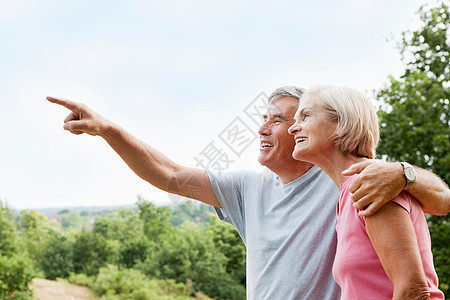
column 403, row 199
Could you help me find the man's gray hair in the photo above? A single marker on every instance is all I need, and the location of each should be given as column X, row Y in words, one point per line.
column 286, row 91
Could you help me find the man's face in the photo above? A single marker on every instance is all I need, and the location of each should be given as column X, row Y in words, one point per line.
column 277, row 144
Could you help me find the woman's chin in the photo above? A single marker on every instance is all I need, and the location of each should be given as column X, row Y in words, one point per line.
column 303, row 156
column 298, row 155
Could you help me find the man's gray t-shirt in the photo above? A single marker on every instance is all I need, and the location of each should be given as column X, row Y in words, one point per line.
column 289, row 231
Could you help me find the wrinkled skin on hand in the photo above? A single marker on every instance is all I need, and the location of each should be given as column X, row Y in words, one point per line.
column 377, row 183
column 81, row 119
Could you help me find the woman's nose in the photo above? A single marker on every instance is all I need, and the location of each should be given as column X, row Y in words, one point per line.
column 294, row 128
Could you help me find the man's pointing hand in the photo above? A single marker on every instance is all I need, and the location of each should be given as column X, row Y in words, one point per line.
column 81, row 119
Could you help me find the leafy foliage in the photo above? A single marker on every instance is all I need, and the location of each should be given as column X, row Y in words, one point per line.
column 57, row 257
column 135, row 251
column 16, row 274
column 190, row 254
column 227, row 241
column 440, row 235
column 155, row 219
column 92, row 251
column 36, row 231
column 74, row 220
column 127, row 255
column 415, row 115
column 113, row 283
column 415, row 109
column 189, row 212
column 16, row 271
column 8, row 230
column 136, row 254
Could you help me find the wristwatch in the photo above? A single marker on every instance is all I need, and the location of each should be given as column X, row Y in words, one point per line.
column 410, row 174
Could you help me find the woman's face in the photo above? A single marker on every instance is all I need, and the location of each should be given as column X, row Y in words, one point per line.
column 313, row 131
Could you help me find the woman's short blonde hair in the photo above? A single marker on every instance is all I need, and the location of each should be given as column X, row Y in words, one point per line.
column 357, row 129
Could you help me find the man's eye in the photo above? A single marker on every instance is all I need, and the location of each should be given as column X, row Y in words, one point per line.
column 305, row 116
column 277, row 121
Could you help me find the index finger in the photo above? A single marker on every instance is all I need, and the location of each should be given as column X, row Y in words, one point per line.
column 64, row 102
column 356, row 168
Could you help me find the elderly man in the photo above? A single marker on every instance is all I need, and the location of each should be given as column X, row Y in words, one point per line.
column 285, row 214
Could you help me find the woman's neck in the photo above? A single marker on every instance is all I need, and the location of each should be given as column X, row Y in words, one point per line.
column 337, row 162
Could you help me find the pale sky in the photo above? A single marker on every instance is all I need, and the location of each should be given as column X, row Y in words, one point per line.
column 175, row 74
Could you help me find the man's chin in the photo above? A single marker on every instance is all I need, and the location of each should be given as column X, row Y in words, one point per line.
column 262, row 161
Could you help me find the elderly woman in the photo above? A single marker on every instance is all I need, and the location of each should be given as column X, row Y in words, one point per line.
column 385, row 256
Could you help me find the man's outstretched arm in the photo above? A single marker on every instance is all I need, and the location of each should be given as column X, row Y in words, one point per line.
column 379, row 182
column 148, row 163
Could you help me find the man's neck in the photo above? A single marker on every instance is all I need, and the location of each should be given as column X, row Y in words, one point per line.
column 293, row 171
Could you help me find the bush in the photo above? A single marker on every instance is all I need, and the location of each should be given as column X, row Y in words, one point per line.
column 92, row 251
column 8, row 230
column 134, row 250
column 227, row 241
column 114, row 284
column 58, row 257
column 111, row 279
column 81, row 279
column 15, row 276
column 35, row 233
column 189, row 253
column 440, row 241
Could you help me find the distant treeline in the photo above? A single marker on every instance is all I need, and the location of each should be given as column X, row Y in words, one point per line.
column 145, row 252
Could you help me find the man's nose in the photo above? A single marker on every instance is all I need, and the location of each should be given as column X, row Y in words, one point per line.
column 264, row 129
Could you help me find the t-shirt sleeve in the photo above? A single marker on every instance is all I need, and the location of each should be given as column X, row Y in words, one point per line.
column 403, row 199
column 228, row 188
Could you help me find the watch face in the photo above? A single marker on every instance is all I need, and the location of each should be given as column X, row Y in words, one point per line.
column 410, row 174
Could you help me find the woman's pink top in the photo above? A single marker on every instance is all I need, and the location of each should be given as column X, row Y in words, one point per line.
column 357, row 269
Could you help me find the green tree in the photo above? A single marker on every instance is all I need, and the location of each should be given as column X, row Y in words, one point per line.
column 155, row 219
column 32, row 220
column 91, row 251
column 16, row 270
column 127, row 228
column 190, row 212
column 16, row 274
column 415, row 116
column 8, row 230
column 57, row 256
column 36, row 231
column 135, row 251
column 189, row 253
column 440, row 237
column 227, row 241
column 74, row 220
column 110, row 228
column 124, row 225
column 129, row 284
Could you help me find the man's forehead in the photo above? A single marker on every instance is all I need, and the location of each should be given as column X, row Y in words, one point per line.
column 273, row 109
column 284, row 106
